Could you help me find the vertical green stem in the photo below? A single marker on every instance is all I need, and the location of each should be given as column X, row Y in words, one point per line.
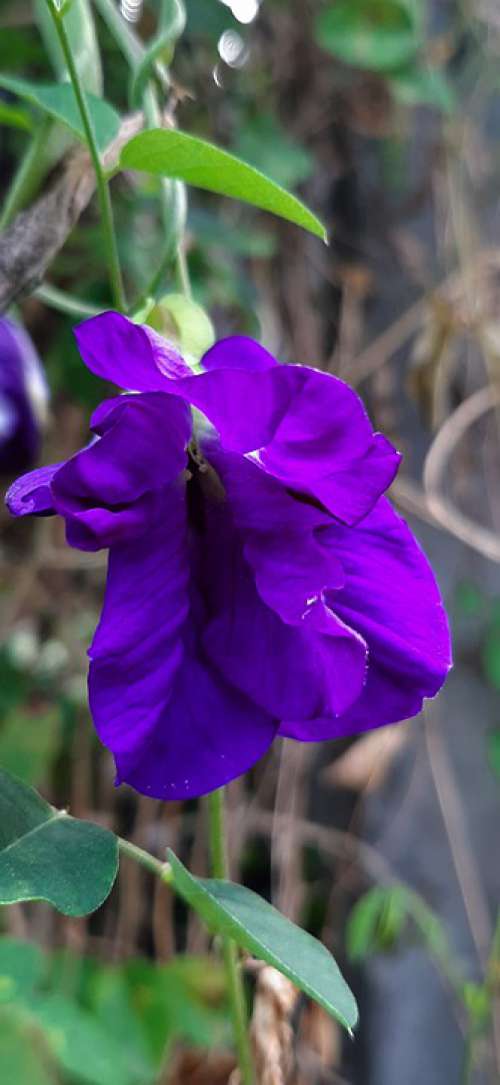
column 231, row 964
column 102, row 187
column 27, row 174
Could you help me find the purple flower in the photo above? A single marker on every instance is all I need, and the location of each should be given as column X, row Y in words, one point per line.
column 258, row 582
column 23, row 398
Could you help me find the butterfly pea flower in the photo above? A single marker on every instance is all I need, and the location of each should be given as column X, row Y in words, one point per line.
column 23, row 398
column 259, row 583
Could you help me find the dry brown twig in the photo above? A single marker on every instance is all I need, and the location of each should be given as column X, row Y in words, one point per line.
column 271, row 1034
column 29, row 245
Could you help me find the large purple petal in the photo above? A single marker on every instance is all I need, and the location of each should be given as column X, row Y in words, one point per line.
column 176, row 729
column 392, row 599
column 130, row 355
column 306, row 428
column 238, row 352
column 282, row 645
column 110, row 490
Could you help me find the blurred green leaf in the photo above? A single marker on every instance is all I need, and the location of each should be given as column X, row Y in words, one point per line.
column 216, row 231
column 29, row 742
column 260, row 929
column 85, row 1047
column 376, row 921
column 175, row 154
column 47, row 855
column 418, row 84
column 374, row 34
column 58, row 100
column 25, row 1058
column 491, row 657
column 21, row 968
column 80, row 29
column 14, row 117
column 263, row 143
column 172, row 1005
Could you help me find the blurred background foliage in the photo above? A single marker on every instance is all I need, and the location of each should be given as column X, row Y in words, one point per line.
column 383, row 115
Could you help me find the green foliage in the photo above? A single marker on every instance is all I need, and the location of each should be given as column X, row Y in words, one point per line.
column 260, row 929
column 29, row 742
column 100, row 1024
column 169, row 153
column 15, row 117
column 418, row 84
column 373, row 34
column 59, row 102
column 47, row 855
column 263, row 143
column 21, row 969
column 376, row 921
column 25, row 1057
column 491, row 656
column 80, row 28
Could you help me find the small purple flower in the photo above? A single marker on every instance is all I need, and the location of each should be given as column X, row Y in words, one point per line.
column 258, row 582
column 23, row 398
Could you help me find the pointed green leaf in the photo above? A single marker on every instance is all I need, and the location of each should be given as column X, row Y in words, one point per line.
column 261, row 930
column 58, row 100
column 175, row 154
column 47, row 855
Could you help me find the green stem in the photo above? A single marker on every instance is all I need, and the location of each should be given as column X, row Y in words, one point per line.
column 65, row 303
column 27, row 174
column 102, row 187
column 155, row 866
column 233, row 973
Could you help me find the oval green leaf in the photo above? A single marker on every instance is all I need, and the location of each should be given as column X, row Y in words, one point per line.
column 47, row 855
column 373, row 34
column 175, row 154
column 227, row 908
column 58, row 100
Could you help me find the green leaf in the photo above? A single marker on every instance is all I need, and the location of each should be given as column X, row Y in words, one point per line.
column 374, row 34
column 491, row 657
column 85, row 1047
column 14, row 117
column 170, row 1006
column 376, row 921
column 418, row 84
column 47, row 855
column 58, row 100
column 263, row 143
column 260, row 929
column 21, row 967
column 29, row 742
column 187, row 158
column 24, row 1055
